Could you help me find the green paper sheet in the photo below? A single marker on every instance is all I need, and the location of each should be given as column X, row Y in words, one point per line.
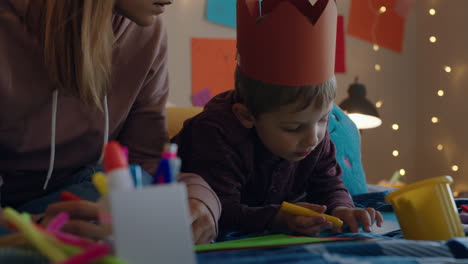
column 264, row 241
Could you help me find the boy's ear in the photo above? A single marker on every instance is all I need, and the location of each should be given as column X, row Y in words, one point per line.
column 244, row 115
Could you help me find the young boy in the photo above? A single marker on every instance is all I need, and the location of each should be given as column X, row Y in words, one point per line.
column 266, row 141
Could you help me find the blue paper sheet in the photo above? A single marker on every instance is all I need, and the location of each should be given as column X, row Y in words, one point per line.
column 221, row 12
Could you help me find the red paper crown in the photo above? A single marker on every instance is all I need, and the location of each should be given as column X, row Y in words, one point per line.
column 287, row 42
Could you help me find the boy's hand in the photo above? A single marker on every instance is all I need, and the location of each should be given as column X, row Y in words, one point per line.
column 353, row 216
column 81, row 213
column 203, row 226
column 306, row 225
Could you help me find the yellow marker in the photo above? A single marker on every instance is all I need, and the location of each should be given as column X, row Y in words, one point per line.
column 299, row 210
column 100, row 181
column 34, row 236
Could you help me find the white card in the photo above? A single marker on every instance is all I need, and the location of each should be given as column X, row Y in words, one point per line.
column 151, row 225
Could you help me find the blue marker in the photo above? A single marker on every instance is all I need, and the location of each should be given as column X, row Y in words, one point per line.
column 174, row 161
column 163, row 173
column 137, row 175
column 169, row 166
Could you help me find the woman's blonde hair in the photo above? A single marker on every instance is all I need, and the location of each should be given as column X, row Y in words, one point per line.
column 77, row 40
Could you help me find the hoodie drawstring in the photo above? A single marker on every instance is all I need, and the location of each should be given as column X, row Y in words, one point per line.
column 106, row 128
column 52, row 138
column 53, row 130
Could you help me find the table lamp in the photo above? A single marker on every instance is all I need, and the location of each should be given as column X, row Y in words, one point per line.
column 359, row 108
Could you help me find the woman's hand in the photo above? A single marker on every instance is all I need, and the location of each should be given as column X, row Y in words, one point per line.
column 203, row 225
column 83, row 218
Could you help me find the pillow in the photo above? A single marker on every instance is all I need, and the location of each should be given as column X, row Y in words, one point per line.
column 176, row 117
column 347, row 139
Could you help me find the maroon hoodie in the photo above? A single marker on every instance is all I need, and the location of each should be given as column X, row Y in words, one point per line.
column 250, row 180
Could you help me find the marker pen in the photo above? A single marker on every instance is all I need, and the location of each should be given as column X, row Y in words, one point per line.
column 116, row 167
column 163, row 173
column 137, row 175
column 169, row 166
column 174, row 161
column 100, row 182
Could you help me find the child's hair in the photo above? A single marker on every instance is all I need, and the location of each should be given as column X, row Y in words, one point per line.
column 76, row 38
column 261, row 97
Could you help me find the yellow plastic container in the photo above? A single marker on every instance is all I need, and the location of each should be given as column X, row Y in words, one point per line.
column 426, row 210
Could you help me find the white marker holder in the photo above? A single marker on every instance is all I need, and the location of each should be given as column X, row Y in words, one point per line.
column 151, row 225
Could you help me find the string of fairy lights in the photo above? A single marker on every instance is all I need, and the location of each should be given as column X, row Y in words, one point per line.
column 378, row 67
column 440, row 92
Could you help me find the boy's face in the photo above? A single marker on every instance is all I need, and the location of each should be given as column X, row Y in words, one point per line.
column 293, row 134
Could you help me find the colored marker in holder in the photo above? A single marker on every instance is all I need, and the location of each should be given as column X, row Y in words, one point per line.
column 116, row 167
column 100, row 182
column 169, row 166
column 163, row 173
column 137, row 175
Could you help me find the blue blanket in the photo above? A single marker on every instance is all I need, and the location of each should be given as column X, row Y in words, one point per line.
column 390, row 251
column 387, row 248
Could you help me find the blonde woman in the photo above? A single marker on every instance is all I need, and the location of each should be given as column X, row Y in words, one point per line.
column 73, row 75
